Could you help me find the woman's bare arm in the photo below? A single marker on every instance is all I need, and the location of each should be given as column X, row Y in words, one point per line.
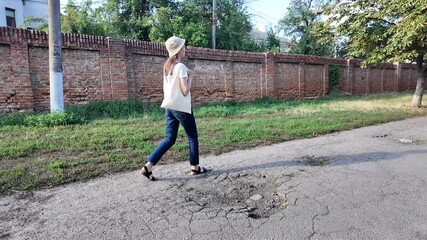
column 186, row 82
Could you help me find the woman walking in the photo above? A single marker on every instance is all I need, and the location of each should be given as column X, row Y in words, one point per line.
column 177, row 79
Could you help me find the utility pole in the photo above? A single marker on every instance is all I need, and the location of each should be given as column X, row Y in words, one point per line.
column 214, row 23
column 55, row 58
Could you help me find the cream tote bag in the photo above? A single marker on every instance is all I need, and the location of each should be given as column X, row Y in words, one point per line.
column 173, row 97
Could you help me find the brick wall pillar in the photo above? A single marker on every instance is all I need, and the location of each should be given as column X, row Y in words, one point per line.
column 368, row 81
column 397, row 76
column 117, row 69
column 350, row 76
column 104, row 90
column 20, row 89
column 268, row 89
column 229, row 80
column 301, row 80
column 326, row 86
column 382, row 79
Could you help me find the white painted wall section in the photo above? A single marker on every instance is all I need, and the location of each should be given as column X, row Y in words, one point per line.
column 23, row 9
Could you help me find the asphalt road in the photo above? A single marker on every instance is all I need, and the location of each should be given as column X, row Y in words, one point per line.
column 367, row 183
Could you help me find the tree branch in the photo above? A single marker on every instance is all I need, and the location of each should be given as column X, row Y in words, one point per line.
column 381, row 20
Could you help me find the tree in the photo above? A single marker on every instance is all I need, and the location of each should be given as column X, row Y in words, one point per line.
column 35, row 21
column 117, row 18
column 192, row 20
column 130, row 18
column 272, row 43
column 82, row 19
column 234, row 26
column 384, row 30
column 189, row 20
column 301, row 19
column 157, row 20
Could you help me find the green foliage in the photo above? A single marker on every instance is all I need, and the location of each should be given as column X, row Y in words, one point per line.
column 116, row 18
column 41, row 120
column 53, row 119
column 192, row 20
column 214, row 111
column 299, row 23
column 83, row 18
column 196, row 22
column 334, row 77
column 37, row 157
column 116, row 110
column 37, row 23
column 273, row 43
column 160, row 31
column 379, row 31
column 188, row 21
column 13, row 119
column 54, row 165
column 159, row 19
column 81, row 114
column 340, row 48
column 129, row 18
column 234, row 26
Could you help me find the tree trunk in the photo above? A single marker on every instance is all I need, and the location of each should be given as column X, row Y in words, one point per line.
column 421, row 76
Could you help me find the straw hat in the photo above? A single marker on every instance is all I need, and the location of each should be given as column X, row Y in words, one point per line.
column 174, row 44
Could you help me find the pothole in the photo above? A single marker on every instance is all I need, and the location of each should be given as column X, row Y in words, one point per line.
column 314, row 161
column 254, row 194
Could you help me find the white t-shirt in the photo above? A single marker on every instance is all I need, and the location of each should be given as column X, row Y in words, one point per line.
column 173, row 97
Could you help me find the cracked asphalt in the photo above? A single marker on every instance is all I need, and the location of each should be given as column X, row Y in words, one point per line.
column 367, row 183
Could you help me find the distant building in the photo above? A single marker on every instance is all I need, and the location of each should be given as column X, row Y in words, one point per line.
column 13, row 12
column 261, row 37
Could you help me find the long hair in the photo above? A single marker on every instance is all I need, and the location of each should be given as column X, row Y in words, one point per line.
column 168, row 64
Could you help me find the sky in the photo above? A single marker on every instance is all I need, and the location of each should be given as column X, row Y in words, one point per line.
column 264, row 13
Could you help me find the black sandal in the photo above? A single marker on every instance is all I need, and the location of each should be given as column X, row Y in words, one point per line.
column 147, row 174
column 199, row 170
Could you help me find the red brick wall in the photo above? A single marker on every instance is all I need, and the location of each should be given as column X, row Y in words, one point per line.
column 287, row 80
column 99, row 68
column 6, row 94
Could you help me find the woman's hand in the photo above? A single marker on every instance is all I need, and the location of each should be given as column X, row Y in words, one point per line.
column 190, row 73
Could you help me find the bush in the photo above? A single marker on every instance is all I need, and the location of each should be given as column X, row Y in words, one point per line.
column 78, row 114
column 334, row 77
column 53, row 119
column 115, row 109
column 13, row 119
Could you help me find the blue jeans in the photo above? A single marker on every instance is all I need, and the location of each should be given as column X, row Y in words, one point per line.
column 173, row 119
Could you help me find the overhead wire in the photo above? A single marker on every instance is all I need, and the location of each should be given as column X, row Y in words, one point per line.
column 263, row 15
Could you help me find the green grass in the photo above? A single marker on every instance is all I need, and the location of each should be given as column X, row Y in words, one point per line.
column 44, row 150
